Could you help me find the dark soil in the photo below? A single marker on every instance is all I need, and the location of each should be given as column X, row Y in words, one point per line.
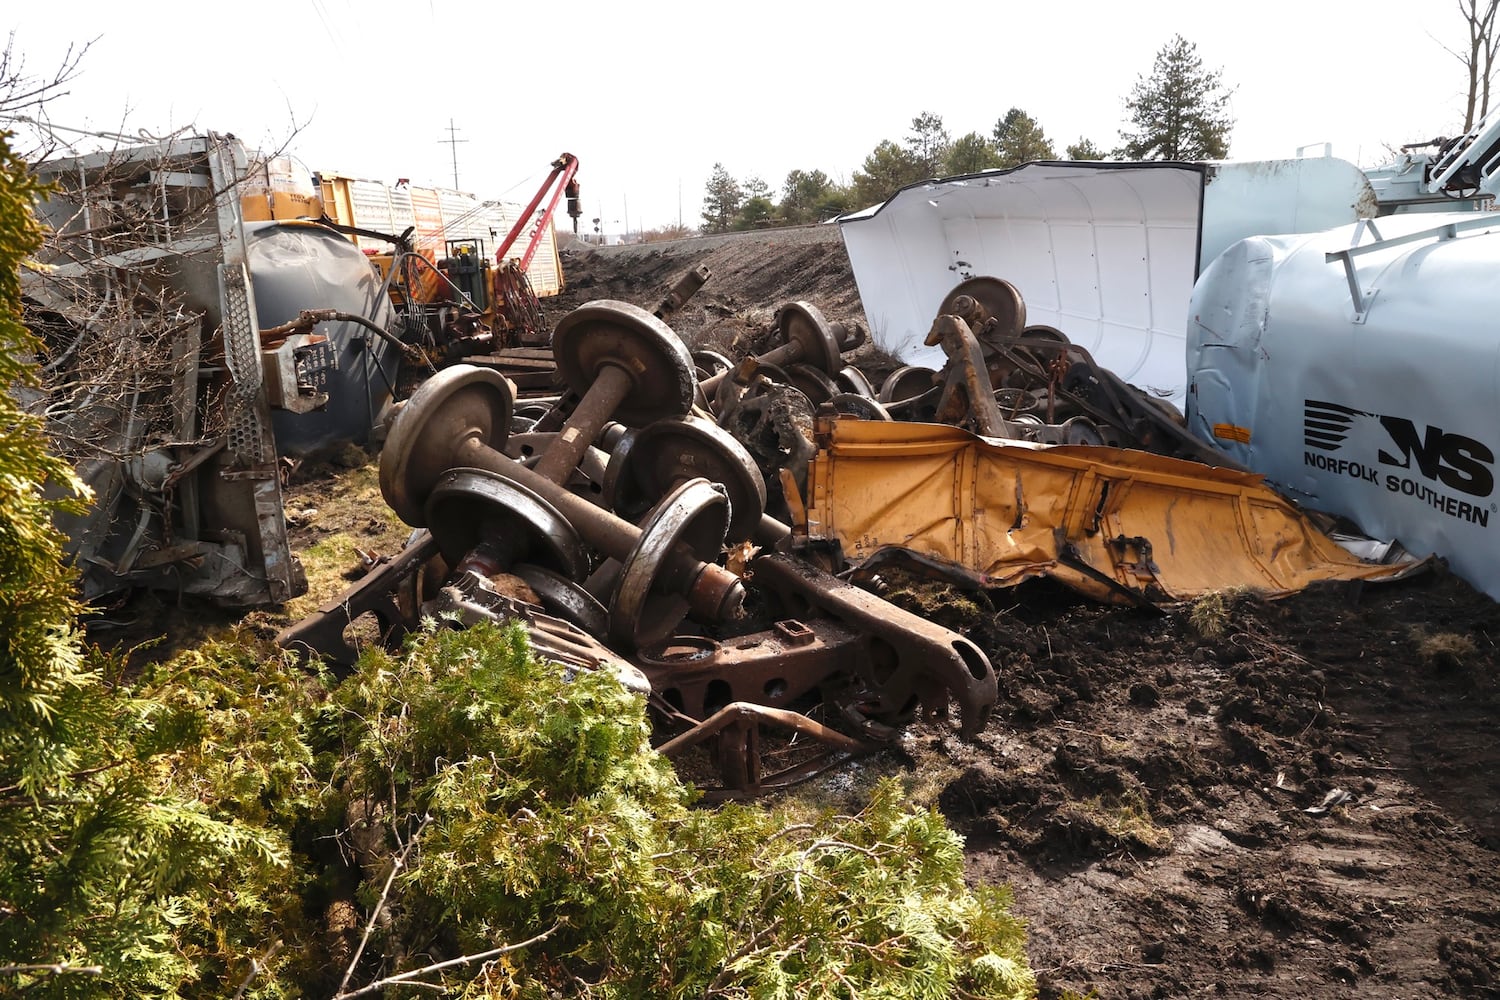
column 1247, row 799
column 1157, row 796
column 752, row 275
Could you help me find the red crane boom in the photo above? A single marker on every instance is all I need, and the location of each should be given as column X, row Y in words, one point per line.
column 563, row 170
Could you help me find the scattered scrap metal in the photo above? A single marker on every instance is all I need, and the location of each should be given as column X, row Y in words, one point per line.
column 495, row 496
column 697, row 525
column 633, row 517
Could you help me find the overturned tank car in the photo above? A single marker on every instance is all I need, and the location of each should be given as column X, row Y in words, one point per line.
column 185, row 352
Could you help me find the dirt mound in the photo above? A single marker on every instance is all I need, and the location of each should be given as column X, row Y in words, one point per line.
column 1238, row 798
column 753, row 274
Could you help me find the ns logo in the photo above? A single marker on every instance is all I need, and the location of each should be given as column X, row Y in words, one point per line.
column 1459, row 462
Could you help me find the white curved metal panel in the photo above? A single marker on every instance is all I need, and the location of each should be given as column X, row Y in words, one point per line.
column 1107, row 252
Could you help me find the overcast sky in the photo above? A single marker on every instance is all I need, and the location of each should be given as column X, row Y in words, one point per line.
column 649, row 95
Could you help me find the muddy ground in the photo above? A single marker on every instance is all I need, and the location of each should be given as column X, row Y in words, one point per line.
column 1154, row 785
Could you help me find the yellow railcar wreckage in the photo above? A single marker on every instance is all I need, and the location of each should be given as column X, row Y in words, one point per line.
column 1116, row 525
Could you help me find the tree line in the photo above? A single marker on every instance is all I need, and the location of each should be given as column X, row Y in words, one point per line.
column 1178, row 112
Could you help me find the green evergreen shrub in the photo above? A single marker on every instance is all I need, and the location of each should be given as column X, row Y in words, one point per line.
column 109, row 863
column 547, row 811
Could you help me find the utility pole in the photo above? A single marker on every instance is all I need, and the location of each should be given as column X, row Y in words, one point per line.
column 453, row 141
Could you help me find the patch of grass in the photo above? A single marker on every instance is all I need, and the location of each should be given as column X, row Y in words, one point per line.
column 938, row 602
column 1211, row 614
column 931, row 773
column 1443, row 650
column 326, row 561
column 352, row 515
column 1126, row 818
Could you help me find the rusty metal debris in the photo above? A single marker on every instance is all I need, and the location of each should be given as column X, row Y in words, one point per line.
column 621, row 516
column 686, row 515
column 1005, row 379
column 686, row 287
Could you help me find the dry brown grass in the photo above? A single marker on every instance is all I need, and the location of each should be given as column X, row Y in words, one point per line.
column 1213, row 613
column 1443, row 650
column 1125, row 817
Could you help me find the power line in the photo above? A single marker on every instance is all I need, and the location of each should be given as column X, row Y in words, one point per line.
column 453, row 141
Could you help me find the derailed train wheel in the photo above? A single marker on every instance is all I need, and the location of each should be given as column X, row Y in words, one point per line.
column 470, row 506
column 649, row 600
column 667, row 452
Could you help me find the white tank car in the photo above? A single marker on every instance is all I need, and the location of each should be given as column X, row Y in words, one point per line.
column 1359, row 370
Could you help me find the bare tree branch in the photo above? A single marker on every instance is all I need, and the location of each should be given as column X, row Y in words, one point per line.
column 18, row 91
column 397, row 863
column 1479, row 58
column 407, row 977
column 57, row 969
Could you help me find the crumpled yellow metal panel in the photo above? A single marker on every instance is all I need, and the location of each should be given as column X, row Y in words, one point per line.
column 1120, row 526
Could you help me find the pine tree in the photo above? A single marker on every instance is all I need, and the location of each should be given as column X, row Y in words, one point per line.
column 722, row 199
column 757, row 212
column 887, row 169
column 801, row 193
column 1084, row 149
column 928, row 142
column 969, row 154
column 1019, row 139
column 1181, row 111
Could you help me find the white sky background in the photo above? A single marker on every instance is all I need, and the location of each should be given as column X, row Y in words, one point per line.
column 650, row 94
